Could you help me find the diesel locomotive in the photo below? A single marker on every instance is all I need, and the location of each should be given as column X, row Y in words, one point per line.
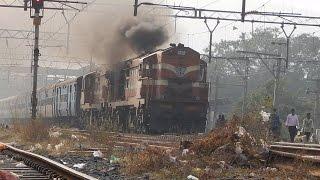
column 164, row 91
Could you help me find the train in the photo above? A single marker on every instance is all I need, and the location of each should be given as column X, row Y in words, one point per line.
column 164, row 91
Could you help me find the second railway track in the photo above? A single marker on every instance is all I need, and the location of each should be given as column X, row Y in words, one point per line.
column 136, row 140
column 305, row 152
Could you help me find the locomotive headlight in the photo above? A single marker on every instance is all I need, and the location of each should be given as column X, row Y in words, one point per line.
column 182, row 52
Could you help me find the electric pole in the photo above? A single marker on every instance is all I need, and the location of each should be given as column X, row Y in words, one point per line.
column 211, row 119
column 277, row 74
column 37, row 5
column 288, row 36
column 316, row 109
column 276, row 85
column 316, row 105
column 243, row 12
column 246, row 72
column 245, row 87
column 244, row 76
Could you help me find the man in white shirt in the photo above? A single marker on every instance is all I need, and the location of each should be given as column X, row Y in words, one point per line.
column 292, row 122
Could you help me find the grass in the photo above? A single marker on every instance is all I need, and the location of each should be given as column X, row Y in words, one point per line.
column 31, row 130
column 203, row 163
column 146, row 161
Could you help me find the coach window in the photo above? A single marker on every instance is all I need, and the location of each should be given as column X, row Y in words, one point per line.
column 70, row 92
column 75, row 92
column 136, row 70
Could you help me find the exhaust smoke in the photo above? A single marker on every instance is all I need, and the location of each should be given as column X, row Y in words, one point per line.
column 115, row 35
column 144, row 36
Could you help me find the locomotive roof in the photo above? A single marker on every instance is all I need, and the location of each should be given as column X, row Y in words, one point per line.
column 157, row 51
column 66, row 81
column 8, row 98
column 149, row 54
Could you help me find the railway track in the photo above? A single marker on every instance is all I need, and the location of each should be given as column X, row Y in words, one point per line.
column 31, row 166
column 305, row 152
column 137, row 140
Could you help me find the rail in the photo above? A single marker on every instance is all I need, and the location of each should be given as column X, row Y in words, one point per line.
column 44, row 165
column 305, row 152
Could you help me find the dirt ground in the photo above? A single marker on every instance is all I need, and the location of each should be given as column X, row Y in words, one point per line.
column 232, row 152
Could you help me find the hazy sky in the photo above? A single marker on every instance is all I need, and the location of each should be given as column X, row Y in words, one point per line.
column 192, row 33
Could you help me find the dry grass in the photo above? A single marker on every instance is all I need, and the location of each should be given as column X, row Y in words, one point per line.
column 215, row 139
column 32, row 130
column 202, row 161
column 96, row 135
column 146, row 161
column 253, row 123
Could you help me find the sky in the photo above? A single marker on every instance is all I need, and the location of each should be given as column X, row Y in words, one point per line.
column 192, row 33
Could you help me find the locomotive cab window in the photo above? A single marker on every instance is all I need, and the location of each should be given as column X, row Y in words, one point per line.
column 201, row 72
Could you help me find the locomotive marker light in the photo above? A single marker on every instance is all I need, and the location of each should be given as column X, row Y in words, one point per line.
column 37, row 5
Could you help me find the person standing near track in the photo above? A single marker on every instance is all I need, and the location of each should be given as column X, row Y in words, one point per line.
column 292, row 123
column 307, row 127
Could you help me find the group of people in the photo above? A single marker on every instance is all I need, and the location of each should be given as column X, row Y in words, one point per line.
column 292, row 123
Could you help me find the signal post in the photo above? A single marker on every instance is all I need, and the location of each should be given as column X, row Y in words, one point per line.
column 37, row 5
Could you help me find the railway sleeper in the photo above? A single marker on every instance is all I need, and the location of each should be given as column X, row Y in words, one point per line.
column 41, row 167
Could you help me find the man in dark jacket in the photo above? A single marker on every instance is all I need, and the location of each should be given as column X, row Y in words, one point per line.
column 275, row 124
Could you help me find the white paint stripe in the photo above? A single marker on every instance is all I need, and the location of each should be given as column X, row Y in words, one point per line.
column 155, row 82
column 172, row 68
column 165, row 83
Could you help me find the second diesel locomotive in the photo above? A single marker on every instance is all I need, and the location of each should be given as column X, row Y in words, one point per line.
column 159, row 92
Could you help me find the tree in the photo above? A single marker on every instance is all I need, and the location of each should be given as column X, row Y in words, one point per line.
column 293, row 83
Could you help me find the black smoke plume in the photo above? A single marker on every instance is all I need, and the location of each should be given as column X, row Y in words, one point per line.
column 115, row 35
column 144, row 36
